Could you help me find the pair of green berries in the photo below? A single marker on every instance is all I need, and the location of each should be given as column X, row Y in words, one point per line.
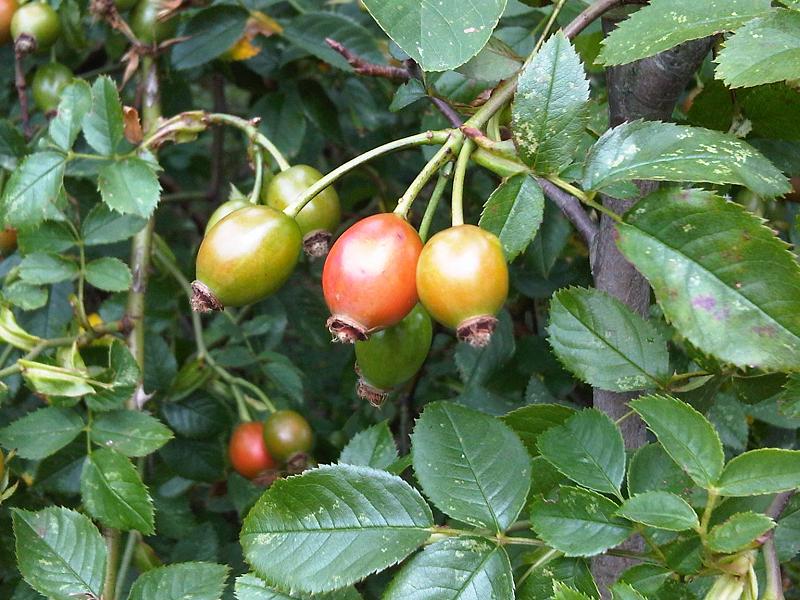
column 250, row 250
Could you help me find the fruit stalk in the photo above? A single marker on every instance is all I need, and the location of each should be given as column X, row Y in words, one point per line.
column 457, row 205
column 426, row 138
column 433, row 203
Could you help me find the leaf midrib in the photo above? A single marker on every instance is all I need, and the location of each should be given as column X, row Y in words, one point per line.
column 467, row 458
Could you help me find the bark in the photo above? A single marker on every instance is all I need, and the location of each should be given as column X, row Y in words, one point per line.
column 646, row 89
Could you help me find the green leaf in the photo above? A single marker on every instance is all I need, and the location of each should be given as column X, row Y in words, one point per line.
column 687, row 244
column 652, row 469
column 11, row 333
column 408, row 93
column 42, row 432
column 624, row 591
column 579, row 523
column 114, row 494
column 562, row 591
column 47, row 268
column 661, row 510
column 341, row 518
column 250, row 587
column 439, row 36
column 76, row 101
column 198, row 416
column 787, row 533
column 738, row 532
column 587, row 448
column 764, row 471
column 574, row 572
column 464, row 569
column 122, row 374
column 458, row 466
column 103, row 126
column 131, row 432
column 130, row 187
column 548, row 114
column 729, row 418
column 183, row 581
column 530, row 422
column 514, row 213
column 495, row 62
column 198, row 460
column 672, row 22
column 51, row 237
column 667, row 152
column 685, row 434
column 60, row 553
column 374, row 447
column 211, row 32
column 605, row 343
column 789, row 399
column 772, row 110
column 282, row 120
column 51, row 380
column 109, row 274
column 12, row 145
column 103, row 226
column 309, row 31
column 765, row 50
column 33, row 189
column 25, row 295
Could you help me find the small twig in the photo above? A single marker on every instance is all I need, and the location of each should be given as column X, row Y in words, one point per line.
column 588, row 16
column 218, row 138
column 19, row 81
column 572, row 209
column 364, row 67
column 448, row 111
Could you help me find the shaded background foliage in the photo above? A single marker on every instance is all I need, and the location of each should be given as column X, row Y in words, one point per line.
column 318, row 111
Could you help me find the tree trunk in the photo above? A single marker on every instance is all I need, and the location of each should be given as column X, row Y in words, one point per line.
column 646, row 89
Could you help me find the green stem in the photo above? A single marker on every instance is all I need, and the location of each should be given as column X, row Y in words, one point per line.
column 124, row 565
column 493, row 128
column 5, row 354
column 519, row 526
column 539, row 562
column 142, row 241
column 772, row 568
column 500, row 165
column 253, row 133
column 678, row 377
column 457, row 205
column 584, row 197
column 255, row 195
column 241, row 405
column 444, row 155
column 433, row 203
column 112, row 537
column 711, row 503
column 420, row 139
column 169, row 265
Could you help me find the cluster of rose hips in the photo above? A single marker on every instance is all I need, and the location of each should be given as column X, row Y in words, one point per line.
column 380, row 282
column 256, row 447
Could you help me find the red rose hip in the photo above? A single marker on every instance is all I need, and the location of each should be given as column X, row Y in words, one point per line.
column 369, row 278
column 247, row 450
